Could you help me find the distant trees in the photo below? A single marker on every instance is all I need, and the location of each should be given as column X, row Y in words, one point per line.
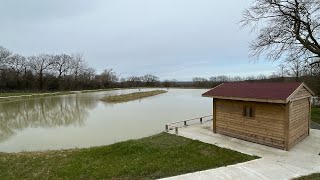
column 149, row 80
column 53, row 72
column 169, row 83
column 17, row 65
column 200, row 82
column 4, row 53
column 47, row 72
column 62, row 66
column 106, row 78
column 41, row 64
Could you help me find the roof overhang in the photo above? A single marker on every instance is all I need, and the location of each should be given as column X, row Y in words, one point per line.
column 280, row 101
column 249, row 99
column 290, row 98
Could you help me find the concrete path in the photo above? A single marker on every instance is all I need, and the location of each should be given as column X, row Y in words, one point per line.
column 303, row 159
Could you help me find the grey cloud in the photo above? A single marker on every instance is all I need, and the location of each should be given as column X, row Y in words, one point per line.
column 131, row 36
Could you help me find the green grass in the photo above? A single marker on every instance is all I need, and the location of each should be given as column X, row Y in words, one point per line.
column 19, row 96
column 315, row 114
column 132, row 96
column 98, row 90
column 13, row 94
column 152, row 157
column 315, row 176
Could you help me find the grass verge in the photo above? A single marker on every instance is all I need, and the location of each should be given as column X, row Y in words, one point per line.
column 152, row 157
column 315, row 176
column 315, row 114
column 14, row 94
column 132, row 96
column 20, row 96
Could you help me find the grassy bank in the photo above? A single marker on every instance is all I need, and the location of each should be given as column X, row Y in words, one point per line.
column 315, row 176
column 19, row 96
column 153, row 157
column 132, row 96
column 315, row 114
column 15, row 94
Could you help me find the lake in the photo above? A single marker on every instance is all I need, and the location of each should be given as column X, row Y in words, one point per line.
column 82, row 120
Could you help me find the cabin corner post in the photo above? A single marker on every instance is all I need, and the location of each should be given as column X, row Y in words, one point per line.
column 214, row 122
column 286, row 126
column 309, row 118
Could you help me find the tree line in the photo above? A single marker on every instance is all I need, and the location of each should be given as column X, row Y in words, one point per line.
column 290, row 72
column 51, row 72
column 59, row 72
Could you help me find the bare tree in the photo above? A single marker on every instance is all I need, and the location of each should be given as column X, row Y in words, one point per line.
column 107, row 77
column 4, row 54
column 282, row 70
column 296, row 68
column 223, row 78
column 62, row 66
column 18, row 65
column 134, row 81
column 62, row 63
column 200, row 82
column 237, row 78
column 149, row 79
column 289, row 28
column 250, row 78
column 78, row 65
column 261, row 77
column 40, row 64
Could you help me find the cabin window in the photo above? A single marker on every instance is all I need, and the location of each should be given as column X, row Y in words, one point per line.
column 248, row 111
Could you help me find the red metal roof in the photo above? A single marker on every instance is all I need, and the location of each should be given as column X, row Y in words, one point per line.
column 273, row 91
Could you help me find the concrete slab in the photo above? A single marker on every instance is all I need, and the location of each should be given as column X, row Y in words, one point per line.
column 302, row 160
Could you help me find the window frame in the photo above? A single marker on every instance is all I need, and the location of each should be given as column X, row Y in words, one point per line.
column 252, row 111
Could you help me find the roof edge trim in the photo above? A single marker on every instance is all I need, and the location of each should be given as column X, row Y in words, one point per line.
column 279, row 101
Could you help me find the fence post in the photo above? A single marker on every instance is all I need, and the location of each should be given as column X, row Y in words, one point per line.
column 185, row 123
column 176, row 130
column 201, row 120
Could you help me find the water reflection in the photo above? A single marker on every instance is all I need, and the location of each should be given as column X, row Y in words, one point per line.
column 45, row 113
column 82, row 120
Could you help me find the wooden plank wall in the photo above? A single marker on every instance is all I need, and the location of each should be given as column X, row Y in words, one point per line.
column 299, row 121
column 301, row 94
column 266, row 127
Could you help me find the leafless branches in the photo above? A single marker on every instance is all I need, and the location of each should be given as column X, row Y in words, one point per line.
column 286, row 28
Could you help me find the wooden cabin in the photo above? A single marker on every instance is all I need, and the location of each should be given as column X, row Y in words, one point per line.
column 272, row 114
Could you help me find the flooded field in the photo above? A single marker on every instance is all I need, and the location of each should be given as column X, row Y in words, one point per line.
column 82, row 120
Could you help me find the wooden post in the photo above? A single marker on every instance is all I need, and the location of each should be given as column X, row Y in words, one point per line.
column 176, row 130
column 185, row 123
column 201, row 120
column 286, row 126
column 214, row 115
column 310, row 108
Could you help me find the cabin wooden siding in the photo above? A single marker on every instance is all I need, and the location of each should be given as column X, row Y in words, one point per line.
column 301, row 94
column 299, row 117
column 266, row 127
column 298, row 121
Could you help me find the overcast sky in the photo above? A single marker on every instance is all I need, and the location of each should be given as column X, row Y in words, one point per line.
column 177, row 39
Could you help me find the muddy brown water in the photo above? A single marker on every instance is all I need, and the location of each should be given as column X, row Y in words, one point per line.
column 82, row 120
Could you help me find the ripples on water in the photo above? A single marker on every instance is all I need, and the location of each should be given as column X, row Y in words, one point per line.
column 82, row 120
